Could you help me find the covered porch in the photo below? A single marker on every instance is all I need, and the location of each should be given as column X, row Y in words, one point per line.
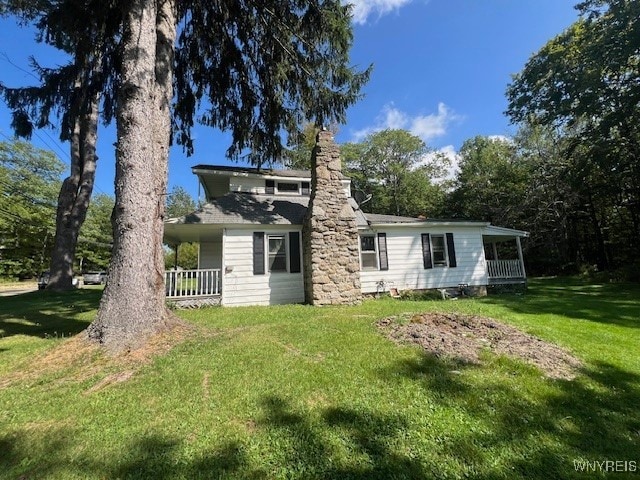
column 503, row 255
column 187, row 286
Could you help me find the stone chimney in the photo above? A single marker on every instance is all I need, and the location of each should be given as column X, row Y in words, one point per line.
column 330, row 234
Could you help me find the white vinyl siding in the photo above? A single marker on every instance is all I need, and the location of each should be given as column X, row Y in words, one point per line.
column 241, row 286
column 406, row 268
column 247, row 185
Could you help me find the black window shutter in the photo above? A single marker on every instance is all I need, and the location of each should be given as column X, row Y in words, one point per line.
column 426, row 251
column 306, row 189
column 258, row 253
column 451, row 250
column 270, row 186
column 294, row 252
column 382, row 251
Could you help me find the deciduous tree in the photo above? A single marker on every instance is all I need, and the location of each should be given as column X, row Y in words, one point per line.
column 29, row 180
column 392, row 168
column 586, row 84
column 96, row 238
column 491, row 183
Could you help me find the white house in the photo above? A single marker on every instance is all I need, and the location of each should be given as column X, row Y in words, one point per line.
column 253, row 243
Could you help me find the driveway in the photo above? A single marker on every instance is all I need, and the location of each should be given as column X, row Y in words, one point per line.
column 9, row 292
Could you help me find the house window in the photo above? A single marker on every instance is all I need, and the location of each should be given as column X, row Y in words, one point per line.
column 439, row 251
column 287, row 187
column 368, row 253
column 277, row 253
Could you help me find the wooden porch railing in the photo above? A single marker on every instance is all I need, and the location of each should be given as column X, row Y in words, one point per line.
column 192, row 283
column 504, row 269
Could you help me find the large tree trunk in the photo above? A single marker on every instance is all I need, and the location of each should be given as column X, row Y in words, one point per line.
column 75, row 195
column 133, row 304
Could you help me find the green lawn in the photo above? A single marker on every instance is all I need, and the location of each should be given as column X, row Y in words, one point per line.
column 315, row 393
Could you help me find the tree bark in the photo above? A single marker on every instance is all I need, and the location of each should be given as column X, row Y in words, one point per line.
column 133, row 304
column 75, row 195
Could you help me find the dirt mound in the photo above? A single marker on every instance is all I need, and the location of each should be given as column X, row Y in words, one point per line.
column 463, row 337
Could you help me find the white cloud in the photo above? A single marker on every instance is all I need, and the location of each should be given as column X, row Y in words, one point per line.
column 427, row 127
column 362, row 9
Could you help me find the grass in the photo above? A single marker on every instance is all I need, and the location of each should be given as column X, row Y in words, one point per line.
column 303, row 392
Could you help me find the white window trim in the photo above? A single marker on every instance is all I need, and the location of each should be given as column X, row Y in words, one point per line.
column 375, row 252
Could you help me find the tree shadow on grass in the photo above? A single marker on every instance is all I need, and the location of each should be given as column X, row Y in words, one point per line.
column 605, row 303
column 537, row 434
column 27, row 455
column 497, row 427
column 365, row 434
column 46, row 314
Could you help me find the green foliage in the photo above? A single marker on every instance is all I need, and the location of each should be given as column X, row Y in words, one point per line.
column 179, row 203
column 187, row 256
column 96, row 235
column 29, row 184
column 298, row 155
column 88, row 32
column 585, row 84
column 491, row 183
column 421, row 295
column 263, row 68
column 299, row 392
column 392, row 166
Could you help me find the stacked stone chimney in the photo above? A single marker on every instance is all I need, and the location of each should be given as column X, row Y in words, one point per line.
column 330, row 234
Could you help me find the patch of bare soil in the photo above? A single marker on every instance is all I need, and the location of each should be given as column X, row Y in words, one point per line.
column 463, row 337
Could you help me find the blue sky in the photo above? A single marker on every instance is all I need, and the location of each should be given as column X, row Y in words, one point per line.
column 441, row 68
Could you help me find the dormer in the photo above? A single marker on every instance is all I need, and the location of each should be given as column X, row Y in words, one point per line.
column 217, row 180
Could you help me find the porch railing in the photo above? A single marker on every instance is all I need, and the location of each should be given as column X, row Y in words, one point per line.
column 504, row 269
column 192, row 283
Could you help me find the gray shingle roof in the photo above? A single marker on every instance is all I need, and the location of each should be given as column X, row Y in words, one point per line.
column 241, row 208
column 245, row 208
column 377, row 218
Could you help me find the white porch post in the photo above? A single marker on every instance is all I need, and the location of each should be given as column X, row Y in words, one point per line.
column 495, row 250
column 520, row 256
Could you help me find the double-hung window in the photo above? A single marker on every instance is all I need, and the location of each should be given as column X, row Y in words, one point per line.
column 368, row 252
column 438, row 250
column 373, row 252
column 277, row 253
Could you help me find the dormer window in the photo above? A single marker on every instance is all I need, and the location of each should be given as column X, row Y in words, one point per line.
column 273, row 187
column 288, row 187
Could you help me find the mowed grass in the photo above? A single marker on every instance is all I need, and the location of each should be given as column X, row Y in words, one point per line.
column 315, row 393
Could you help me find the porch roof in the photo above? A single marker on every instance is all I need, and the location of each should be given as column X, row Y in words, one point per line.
column 501, row 234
